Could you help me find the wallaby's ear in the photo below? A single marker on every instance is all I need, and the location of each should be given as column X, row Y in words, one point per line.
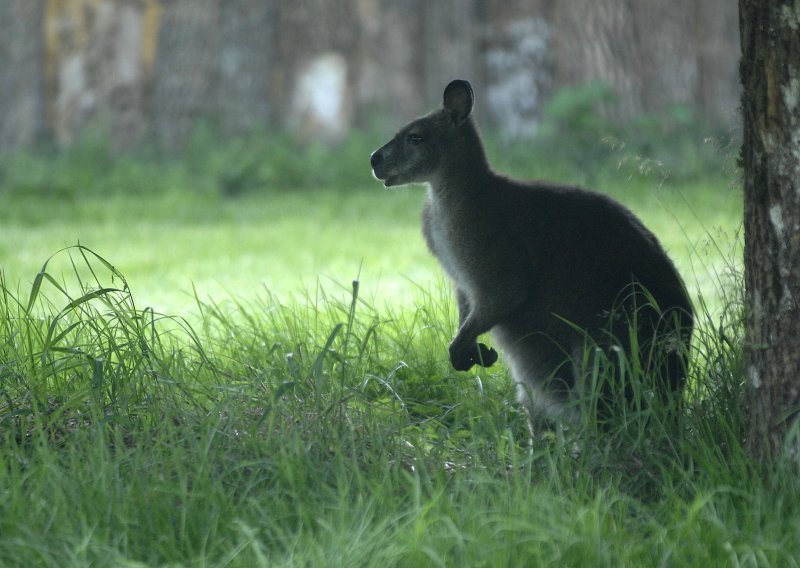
column 459, row 99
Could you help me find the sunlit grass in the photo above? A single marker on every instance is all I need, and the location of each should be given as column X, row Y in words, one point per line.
column 174, row 244
column 282, row 241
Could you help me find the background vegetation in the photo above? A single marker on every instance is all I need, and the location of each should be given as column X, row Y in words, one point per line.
column 203, row 385
column 246, row 194
column 318, row 68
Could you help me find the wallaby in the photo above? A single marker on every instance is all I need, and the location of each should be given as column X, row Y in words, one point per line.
column 556, row 272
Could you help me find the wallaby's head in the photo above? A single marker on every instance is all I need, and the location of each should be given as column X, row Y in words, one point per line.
column 416, row 153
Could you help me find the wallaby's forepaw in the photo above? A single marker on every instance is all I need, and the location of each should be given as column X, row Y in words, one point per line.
column 488, row 355
column 477, row 354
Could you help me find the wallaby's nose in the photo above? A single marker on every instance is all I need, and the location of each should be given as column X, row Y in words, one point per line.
column 376, row 158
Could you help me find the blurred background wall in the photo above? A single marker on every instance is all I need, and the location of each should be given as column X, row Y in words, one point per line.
column 149, row 69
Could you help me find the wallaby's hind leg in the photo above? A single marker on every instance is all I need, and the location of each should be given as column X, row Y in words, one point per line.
column 543, row 373
column 637, row 360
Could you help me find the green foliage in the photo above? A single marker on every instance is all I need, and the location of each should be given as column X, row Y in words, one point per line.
column 577, row 114
column 209, row 164
column 580, row 140
column 332, row 432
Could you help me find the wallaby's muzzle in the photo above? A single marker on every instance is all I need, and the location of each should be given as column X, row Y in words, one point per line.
column 380, row 169
column 376, row 158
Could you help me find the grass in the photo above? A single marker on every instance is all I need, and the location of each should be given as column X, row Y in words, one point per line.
column 331, row 432
column 173, row 228
column 178, row 242
column 276, row 418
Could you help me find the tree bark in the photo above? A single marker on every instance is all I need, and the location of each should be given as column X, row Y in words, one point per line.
column 770, row 75
column 185, row 73
column 114, row 71
column 715, row 40
column 245, row 55
column 516, row 40
column 390, row 66
column 306, row 31
column 450, row 34
column 596, row 39
column 21, row 72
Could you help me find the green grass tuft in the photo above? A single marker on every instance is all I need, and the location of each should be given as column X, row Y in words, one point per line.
column 330, row 431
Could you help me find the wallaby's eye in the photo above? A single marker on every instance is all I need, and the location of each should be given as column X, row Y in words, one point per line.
column 414, row 139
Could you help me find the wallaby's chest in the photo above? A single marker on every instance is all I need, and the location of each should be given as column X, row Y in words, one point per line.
column 456, row 239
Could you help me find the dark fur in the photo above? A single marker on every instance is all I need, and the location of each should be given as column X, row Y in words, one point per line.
column 545, row 266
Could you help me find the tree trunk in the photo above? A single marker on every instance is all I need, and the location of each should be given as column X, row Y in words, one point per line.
column 716, row 38
column 770, row 75
column 307, row 33
column 245, row 54
column 21, row 72
column 114, row 72
column 516, row 40
column 185, row 69
column 450, row 40
column 596, row 39
column 390, row 67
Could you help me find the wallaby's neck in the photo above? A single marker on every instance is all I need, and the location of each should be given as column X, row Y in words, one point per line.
column 464, row 168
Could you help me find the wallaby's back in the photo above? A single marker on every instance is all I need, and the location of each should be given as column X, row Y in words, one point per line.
column 592, row 265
